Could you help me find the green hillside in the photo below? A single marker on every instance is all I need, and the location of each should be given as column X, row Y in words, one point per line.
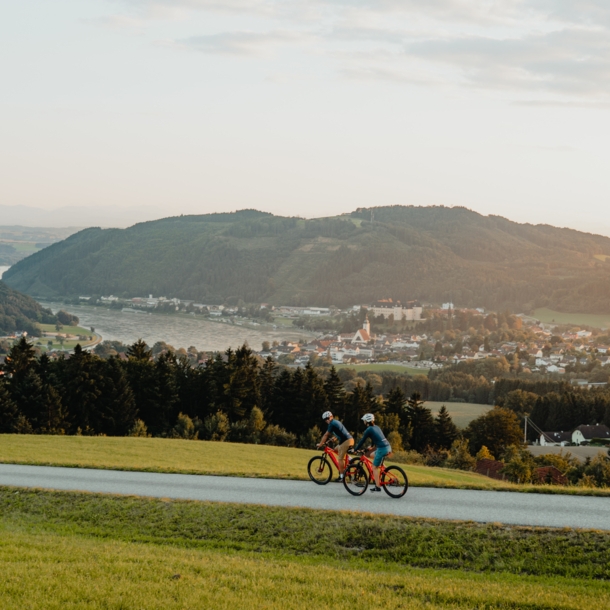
column 21, row 312
column 426, row 253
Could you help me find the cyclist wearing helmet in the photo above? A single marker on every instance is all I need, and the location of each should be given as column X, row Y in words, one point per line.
column 339, row 431
column 378, row 441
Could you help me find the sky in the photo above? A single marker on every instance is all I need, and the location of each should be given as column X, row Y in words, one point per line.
column 308, row 108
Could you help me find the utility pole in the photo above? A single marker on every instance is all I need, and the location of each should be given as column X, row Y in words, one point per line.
column 525, row 432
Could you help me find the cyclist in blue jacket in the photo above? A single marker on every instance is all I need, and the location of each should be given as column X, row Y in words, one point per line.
column 339, row 431
column 379, row 443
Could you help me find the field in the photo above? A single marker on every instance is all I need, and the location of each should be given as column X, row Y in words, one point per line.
column 577, row 319
column 69, row 343
column 462, row 413
column 381, row 366
column 60, row 550
column 196, row 457
column 211, row 458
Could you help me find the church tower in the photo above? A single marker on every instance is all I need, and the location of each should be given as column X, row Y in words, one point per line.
column 367, row 325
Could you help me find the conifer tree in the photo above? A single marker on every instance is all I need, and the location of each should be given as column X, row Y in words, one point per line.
column 446, row 430
column 422, row 423
column 8, row 410
column 335, row 394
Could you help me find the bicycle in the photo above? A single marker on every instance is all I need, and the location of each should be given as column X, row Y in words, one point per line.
column 359, row 472
column 321, row 473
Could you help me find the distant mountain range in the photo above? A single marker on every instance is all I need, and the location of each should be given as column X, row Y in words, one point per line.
column 77, row 216
column 433, row 254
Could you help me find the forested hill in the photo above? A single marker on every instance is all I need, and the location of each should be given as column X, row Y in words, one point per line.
column 427, row 253
column 21, row 312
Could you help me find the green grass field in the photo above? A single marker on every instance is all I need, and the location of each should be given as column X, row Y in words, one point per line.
column 211, row 458
column 380, row 367
column 72, row 550
column 577, row 319
column 462, row 413
column 68, row 344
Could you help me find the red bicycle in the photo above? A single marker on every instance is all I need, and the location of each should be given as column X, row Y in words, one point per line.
column 359, row 472
column 319, row 469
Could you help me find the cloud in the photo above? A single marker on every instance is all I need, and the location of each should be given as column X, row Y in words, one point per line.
column 574, row 61
column 116, row 22
column 558, row 47
column 237, row 43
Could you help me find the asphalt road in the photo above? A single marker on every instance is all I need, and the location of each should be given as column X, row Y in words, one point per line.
column 484, row 506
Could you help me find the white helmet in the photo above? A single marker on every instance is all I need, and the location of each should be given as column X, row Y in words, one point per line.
column 368, row 418
column 326, row 414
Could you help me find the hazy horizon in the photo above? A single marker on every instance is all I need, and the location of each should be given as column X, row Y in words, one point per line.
column 309, row 109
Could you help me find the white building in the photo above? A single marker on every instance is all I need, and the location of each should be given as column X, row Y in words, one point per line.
column 409, row 311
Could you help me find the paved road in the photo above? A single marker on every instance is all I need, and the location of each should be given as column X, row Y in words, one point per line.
column 484, row 506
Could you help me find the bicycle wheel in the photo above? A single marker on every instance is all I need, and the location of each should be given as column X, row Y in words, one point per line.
column 319, row 470
column 394, row 481
column 355, row 479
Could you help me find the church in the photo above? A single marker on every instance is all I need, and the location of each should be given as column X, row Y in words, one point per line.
column 363, row 335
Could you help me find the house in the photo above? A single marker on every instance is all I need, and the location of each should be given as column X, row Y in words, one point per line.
column 555, row 439
column 585, row 434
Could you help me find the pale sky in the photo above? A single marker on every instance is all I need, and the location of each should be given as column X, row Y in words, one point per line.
column 308, row 107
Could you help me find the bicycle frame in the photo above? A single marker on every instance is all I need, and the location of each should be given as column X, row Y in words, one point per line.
column 334, row 456
column 389, row 479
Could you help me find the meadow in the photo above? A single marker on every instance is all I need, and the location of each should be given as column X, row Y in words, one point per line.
column 220, row 459
column 74, row 550
column 378, row 367
column 576, row 319
column 462, row 413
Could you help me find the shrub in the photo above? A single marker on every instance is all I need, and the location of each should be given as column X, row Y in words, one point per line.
column 435, row 457
column 139, row 429
column 395, row 440
column 216, row 427
column 407, row 457
column 311, row 438
column 484, row 454
column 184, row 428
column 459, row 456
column 275, row 435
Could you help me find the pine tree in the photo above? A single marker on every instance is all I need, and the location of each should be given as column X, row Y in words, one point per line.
column 446, row 430
column 422, row 423
column 335, row 394
column 8, row 410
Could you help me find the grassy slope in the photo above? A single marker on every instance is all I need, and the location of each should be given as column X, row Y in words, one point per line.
column 195, row 457
column 585, row 319
column 462, row 413
column 230, row 459
column 62, row 550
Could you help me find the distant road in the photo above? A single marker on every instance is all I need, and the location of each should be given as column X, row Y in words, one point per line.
column 484, row 506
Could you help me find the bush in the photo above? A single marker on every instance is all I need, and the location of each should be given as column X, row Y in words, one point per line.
column 274, row 435
column 395, row 440
column 184, row 428
column 248, row 430
column 407, row 457
column 311, row 438
column 484, row 454
column 435, row 457
column 459, row 456
column 215, row 427
column 139, row 429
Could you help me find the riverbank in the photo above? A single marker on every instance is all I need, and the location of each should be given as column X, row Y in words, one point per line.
column 178, row 330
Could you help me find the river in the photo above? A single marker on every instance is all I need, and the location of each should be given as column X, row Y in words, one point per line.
column 177, row 330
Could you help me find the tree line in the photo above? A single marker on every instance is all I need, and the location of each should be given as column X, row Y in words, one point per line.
column 233, row 396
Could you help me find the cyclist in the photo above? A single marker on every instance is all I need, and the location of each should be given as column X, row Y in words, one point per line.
column 339, row 431
column 379, row 443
